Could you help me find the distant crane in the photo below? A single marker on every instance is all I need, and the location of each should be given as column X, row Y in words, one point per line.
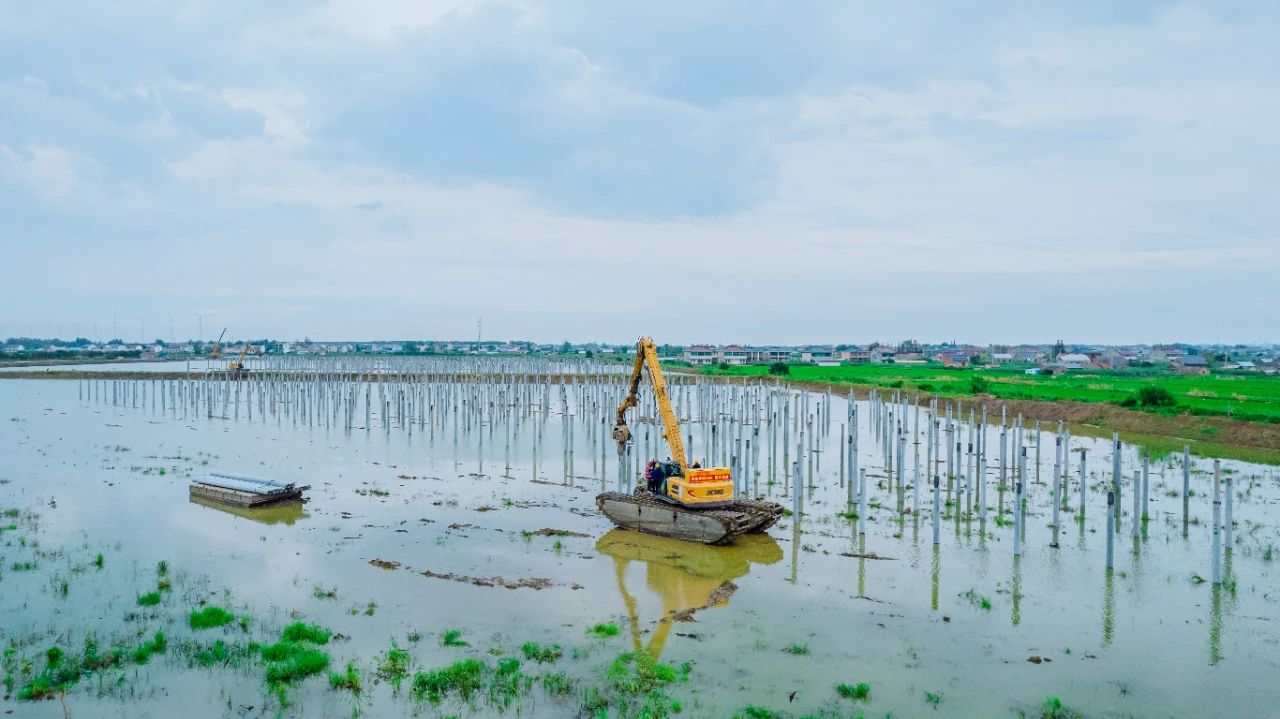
column 216, row 352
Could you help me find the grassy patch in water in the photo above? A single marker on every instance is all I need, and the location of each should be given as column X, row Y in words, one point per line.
column 394, row 666
column 557, row 684
column 799, row 650
column 1053, row 708
column 220, row 654
column 757, row 712
column 508, row 683
column 287, row 662
column 858, row 692
column 349, row 679
column 605, row 630
column 300, row 632
column 452, row 638
column 535, row 652
column 150, row 599
column 60, row 673
column 636, row 673
column 977, row 600
column 463, row 678
column 144, row 651
column 210, row 617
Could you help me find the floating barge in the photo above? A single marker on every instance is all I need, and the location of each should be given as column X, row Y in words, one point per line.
column 242, row 490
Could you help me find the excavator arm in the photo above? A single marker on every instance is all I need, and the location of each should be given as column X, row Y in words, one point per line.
column 647, row 356
column 216, row 352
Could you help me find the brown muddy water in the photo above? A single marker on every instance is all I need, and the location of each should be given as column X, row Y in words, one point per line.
column 452, row 553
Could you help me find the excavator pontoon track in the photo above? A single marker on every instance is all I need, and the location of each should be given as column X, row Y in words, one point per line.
column 643, row 511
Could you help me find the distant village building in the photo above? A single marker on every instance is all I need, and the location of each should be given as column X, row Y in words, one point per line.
column 1192, row 364
column 735, row 355
column 701, row 355
column 1073, row 360
column 768, row 355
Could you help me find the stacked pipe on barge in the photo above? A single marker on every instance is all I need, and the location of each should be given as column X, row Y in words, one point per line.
column 243, row 490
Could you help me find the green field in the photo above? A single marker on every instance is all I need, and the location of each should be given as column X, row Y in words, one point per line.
column 1251, row 397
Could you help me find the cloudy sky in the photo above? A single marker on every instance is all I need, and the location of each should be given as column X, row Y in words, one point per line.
column 697, row 171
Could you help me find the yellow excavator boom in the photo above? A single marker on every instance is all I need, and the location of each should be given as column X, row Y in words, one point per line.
column 647, row 356
column 216, row 352
column 238, row 365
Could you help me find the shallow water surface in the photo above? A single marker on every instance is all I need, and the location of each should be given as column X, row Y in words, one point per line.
column 449, row 486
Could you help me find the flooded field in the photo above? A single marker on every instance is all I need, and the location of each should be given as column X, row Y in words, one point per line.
column 451, row 560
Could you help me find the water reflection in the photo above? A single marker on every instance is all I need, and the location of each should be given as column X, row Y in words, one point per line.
column 278, row 513
column 1215, row 626
column 1108, row 608
column 687, row 577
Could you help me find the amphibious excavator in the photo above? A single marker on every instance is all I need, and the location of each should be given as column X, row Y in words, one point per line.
column 677, row 500
column 236, row 367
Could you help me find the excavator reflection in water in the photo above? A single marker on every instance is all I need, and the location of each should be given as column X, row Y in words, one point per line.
column 688, row 577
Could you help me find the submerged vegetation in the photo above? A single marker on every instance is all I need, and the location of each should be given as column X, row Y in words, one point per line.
column 857, row 692
column 210, row 617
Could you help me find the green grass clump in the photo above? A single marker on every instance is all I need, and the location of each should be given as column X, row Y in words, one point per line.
column 557, row 684
column 95, row 659
column 12, row 513
column 508, row 683
column 977, row 600
column 452, row 638
column 215, row 654
column 756, row 712
column 535, row 652
column 60, row 673
column 637, row 673
column 859, row 692
column 293, row 658
column 287, row 662
column 1053, row 708
column 797, row 649
column 144, row 651
column 463, row 677
column 150, row 599
column 210, row 617
column 348, row 679
column 1268, row 553
column 162, row 568
column 933, row 698
column 98, row 561
column 8, row 528
column 320, row 592
column 299, row 632
column 23, row 566
column 394, row 666
column 605, row 630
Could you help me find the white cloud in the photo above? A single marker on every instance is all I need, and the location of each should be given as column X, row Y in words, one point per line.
column 386, row 21
column 51, row 172
column 279, row 110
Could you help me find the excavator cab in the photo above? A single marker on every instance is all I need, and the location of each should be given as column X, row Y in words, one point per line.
column 700, row 488
column 695, row 487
